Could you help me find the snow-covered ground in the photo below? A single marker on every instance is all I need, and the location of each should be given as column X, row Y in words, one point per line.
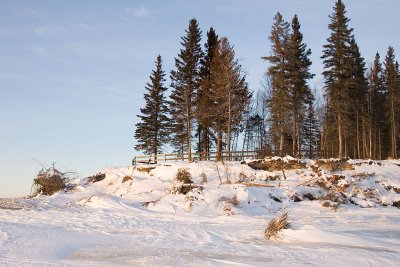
column 136, row 216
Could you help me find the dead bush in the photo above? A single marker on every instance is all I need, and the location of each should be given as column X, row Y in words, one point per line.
column 336, row 178
column 396, row 204
column 326, row 204
column 276, row 225
column 185, row 188
column 97, row 177
column 183, row 176
column 370, row 193
column 322, row 183
column 272, row 177
column 363, row 175
column 51, row 180
column 315, row 168
column 126, row 179
column 335, row 165
column 230, row 200
column 242, row 177
column 203, row 178
column 276, row 165
column 145, row 169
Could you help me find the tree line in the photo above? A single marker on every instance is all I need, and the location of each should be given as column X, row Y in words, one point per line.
column 211, row 108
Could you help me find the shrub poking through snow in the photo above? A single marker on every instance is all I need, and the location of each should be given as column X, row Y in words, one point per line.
column 278, row 164
column 335, row 165
column 276, row 225
column 126, row 179
column 51, row 180
column 183, row 176
column 97, row 177
column 230, row 200
column 145, row 169
column 203, row 177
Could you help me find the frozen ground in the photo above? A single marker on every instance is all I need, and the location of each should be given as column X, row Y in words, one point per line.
column 146, row 222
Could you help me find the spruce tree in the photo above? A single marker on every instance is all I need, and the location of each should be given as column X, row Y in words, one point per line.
column 377, row 106
column 390, row 79
column 204, row 95
column 310, row 131
column 298, row 74
column 152, row 131
column 277, row 71
column 230, row 93
column 337, row 72
column 185, row 84
column 358, row 94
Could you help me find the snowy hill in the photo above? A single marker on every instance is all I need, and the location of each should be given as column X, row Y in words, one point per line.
column 343, row 212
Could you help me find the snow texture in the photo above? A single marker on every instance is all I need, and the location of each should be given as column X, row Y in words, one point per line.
column 346, row 217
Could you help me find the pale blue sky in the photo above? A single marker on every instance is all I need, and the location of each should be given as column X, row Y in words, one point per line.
column 72, row 73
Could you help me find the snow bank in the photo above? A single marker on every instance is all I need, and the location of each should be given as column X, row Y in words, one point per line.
column 136, row 216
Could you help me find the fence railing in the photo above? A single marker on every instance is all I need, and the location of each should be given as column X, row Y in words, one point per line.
column 224, row 155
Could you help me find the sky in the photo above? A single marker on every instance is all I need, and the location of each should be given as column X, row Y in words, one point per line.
column 72, row 73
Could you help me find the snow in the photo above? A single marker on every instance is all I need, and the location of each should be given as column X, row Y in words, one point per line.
column 142, row 222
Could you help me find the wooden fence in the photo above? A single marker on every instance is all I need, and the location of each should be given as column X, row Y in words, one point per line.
column 224, row 155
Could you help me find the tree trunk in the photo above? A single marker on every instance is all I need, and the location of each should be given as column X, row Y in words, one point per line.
column 229, row 125
column 393, row 122
column 188, row 141
column 340, row 136
column 219, row 145
column 281, row 141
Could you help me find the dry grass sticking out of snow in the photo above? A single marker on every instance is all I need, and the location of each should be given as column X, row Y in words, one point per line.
column 276, row 225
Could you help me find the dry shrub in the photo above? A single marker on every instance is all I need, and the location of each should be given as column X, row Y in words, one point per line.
column 51, row 180
column 335, row 165
column 147, row 203
column 145, row 169
column 126, row 179
column 322, row 183
column 370, row 193
column 334, row 205
column 396, row 204
column 277, row 165
column 185, row 188
column 326, row 204
column 315, row 168
column 97, row 177
column 230, row 200
column 276, row 225
column 363, row 175
column 272, row 177
column 183, row 176
column 242, row 177
column 203, row 177
column 336, row 178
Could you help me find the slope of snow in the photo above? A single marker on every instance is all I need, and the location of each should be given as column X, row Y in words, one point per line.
column 144, row 222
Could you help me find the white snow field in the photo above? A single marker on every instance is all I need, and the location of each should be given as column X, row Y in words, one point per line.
column 338, row 218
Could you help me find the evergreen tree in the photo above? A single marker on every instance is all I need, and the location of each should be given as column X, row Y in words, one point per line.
column 204, row 95
column 185, row 83
column 358, row 94
column 230, row 93
column 390, row 79
column 278, row 69
column 336, row 72
column 152, row 130
column 377, row 106
column 298, row 73
column 310, row 131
